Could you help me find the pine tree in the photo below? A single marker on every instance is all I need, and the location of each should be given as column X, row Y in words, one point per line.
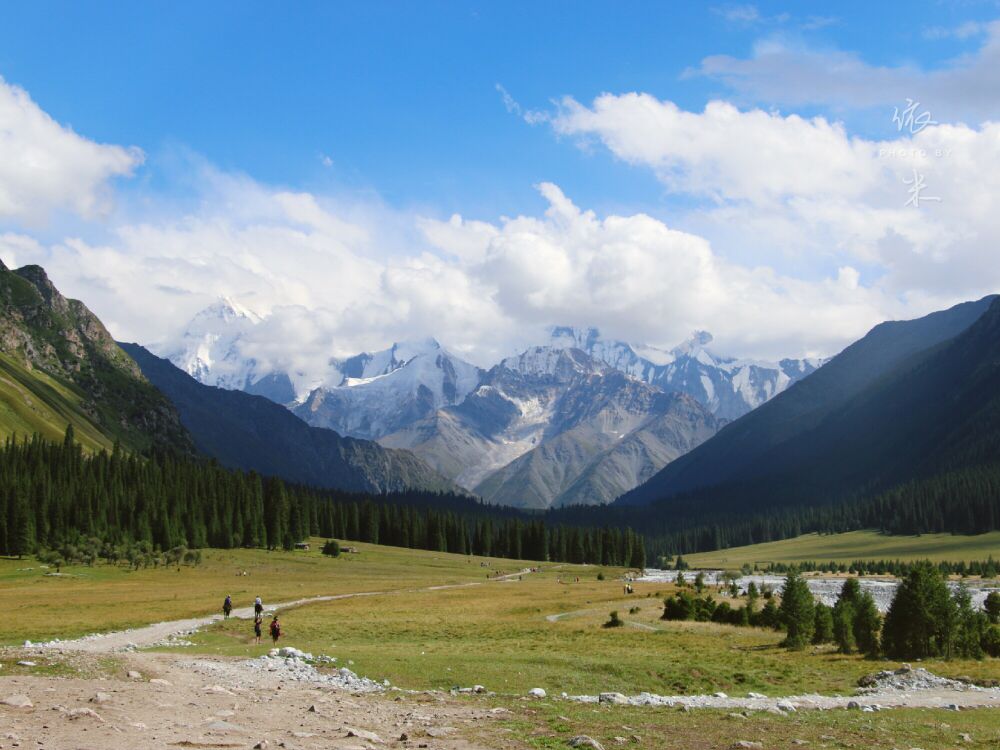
column 823, row 624
column 920, row 619
column 797, row 611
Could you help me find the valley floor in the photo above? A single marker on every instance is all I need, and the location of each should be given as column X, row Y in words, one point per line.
column 430, row 622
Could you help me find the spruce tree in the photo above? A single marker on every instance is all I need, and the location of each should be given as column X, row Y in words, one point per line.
column 823, row 624
column 920, row 619
column 797, row 611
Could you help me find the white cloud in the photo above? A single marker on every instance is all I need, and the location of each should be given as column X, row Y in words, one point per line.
column 793, row 187
column 780, row 72
column 46, row 167
column 340, row 275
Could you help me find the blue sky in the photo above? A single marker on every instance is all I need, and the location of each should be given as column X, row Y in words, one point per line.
column 401, row 96
column 309, row 160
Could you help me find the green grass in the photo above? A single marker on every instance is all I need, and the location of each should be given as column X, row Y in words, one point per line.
column 549, row 725
column 854, row 545
column 33, row 402
column 492, row 633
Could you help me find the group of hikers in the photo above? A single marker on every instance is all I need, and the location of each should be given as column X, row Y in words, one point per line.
column 258, row 619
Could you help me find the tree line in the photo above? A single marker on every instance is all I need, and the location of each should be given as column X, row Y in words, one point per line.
column 924, row 620
column 119, row 505
column 965, row 501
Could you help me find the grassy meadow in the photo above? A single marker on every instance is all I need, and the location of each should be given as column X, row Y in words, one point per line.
column 543, row 630
column 854, row 545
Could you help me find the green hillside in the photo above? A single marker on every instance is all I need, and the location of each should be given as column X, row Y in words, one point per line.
column 854, row 545
column 32, row 401
column 61, row 366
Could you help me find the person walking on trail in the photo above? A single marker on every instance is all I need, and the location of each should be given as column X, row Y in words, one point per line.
column 258, row 621
column 258, row 606
column 275, row 630
column 227, row 606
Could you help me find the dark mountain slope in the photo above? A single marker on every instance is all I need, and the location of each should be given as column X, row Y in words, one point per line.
column 251, row 432
column 736, row 455
column 936, row 413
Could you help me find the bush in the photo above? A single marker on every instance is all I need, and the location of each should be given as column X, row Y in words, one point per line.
column 992, row 607
column 331, row 548
column 600, row 576
column 991, row 640
column 614, row 622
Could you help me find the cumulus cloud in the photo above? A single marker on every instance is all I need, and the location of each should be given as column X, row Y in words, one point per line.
column 794, row 186
column 46, row 167
column 335, row 276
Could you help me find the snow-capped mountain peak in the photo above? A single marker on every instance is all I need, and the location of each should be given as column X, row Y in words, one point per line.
column 727, row 386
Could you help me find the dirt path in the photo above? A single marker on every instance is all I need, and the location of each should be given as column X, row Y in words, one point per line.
column 144, row 637
column 214, row 703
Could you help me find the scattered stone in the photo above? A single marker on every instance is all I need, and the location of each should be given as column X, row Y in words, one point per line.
column 18, row 700
column 84, row 713
column 720, row 694
column 786, row 706
column 537, row 693
column 404, row 737
column 737, row 716
column 440, row 731
column 965, row 737
column 747, row 745
column 214, row 727
column 364, row 734
column 478, row 689
column 216, row 690
column 262, row 745
column 100, row 698
column 133, row 675
column 615, row 698
column 585, row 741
column 800, row 742
column 954, row 707
column 26, row 663
column 853, row 705
column 756, row 695
column 620, row 740
column 160, row 682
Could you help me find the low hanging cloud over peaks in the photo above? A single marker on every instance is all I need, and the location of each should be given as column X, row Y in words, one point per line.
column 795, row 239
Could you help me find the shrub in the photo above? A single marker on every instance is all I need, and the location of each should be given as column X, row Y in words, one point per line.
column 991, row 640
column 600, row 576
column 992, row 607
column 331, row 548
column 614, row 621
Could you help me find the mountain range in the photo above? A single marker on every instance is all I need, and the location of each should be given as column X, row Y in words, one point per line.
column 579, row 419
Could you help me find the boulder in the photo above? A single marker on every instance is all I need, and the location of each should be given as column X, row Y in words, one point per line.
column 537, row 693
column 615, row 698
column 584, row 741
column 364, row 734
column 18, row 700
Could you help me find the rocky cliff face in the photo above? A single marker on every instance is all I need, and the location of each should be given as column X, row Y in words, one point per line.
column 44, row 332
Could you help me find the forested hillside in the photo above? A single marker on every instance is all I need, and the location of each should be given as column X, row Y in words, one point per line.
column 55, row 496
